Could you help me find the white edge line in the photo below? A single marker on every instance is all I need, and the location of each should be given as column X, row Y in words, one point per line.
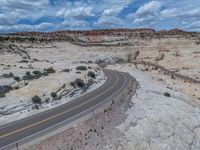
column 46, row 111
column 62, row 121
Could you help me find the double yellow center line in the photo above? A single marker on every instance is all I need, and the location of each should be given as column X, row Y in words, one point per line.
column 59, row 114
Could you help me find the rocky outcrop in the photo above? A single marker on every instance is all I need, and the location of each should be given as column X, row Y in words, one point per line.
column 105, row 37
column 15, row 49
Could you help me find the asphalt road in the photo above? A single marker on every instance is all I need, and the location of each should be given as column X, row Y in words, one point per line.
column 26, row 129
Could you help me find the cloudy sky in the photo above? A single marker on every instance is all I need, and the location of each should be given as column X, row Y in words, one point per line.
column 51, row 15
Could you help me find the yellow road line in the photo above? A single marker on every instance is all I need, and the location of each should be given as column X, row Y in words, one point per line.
column 52, row 117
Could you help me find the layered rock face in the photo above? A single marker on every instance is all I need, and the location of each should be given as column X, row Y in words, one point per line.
column 109, row 37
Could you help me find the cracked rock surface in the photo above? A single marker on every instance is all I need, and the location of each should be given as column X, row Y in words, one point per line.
column 159, row 122
column 147, row 121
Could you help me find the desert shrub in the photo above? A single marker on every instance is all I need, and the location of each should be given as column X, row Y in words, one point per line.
column 17, row 78
column 79, row 83
column 25, row 78
column 2, row 95
column 7, row 75
column 66, row 70
column 36, row 99
column 30, row 77
column 82, row 68
column 28, row 73
column 11, row 74
column 37, row 76
column 72, row 84
column 78, row 72
column 50, row 70
column 34, row 59
column 45, row 73
column 63, row 86
column 167, row 94
column 16, row 87
column 5, row 88
column 23, row 61
column 91, row 74
column 36, row 72
column 26, row 83
column 53, row 94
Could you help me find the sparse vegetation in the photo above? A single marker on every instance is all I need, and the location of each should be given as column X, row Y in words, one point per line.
column 36, row 99
column 16, row 87
column 91, row 74
column 7, row 75
column 72, row 84
column 28, row 73
column 79, row 83
column 66, row 70
column 37, row 74
column 45, row 73
column 167, row 94
column 78, row 72
column 2, row 95
column 23, row 61
column 17, row 78
column 53, row 95
column 5, row 89
column 82, row 68
column 50, row 70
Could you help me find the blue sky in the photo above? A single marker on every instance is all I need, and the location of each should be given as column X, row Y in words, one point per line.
column 52, row 15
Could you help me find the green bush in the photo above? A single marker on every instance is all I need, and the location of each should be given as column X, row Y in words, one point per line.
column 16, row 87
column 2, row 95
column 82, row 68
column 45, row 73
column 37, row 74
column 91, row 74
column 36, row 99
column 17, row 78
column 78, row 72
column 23, row 61
column 66, row 70
column 11, row 74
column 50, row 70
column 72, row 84
column 79, row 83
column 28, row 73
column 31, row 77
column 53, row 94
column 167, row 94
column 5, row 75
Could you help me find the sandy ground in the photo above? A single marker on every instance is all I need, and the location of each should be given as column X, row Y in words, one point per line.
column 148, row 120
column 60, row 56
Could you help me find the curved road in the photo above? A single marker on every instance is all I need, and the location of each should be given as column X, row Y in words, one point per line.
column 26, row 129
